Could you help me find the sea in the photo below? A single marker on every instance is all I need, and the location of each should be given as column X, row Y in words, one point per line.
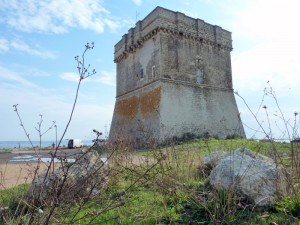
column 26, row 144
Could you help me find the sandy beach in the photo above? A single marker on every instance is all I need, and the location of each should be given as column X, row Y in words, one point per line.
column 12, row 174
column 17, row 167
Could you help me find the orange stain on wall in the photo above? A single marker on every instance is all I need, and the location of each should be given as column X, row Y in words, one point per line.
column 147, row 103
column 128, row 107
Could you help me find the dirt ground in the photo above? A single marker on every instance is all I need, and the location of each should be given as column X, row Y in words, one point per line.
column 17, row 172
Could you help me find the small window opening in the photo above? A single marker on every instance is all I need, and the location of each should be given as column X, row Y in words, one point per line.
column 153, row 71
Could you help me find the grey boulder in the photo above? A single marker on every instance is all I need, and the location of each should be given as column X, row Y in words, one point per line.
column 252, row 176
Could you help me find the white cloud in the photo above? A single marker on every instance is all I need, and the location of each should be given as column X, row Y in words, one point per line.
column 73, row 77
column 137, row 2
column 268, row 19
column 113, row 25
column 269, row 61
column 108, row 78
column 10, row 75
column 273, row 47
column 55, row 16
column 23, row 47
column 4, row 45
column 265, row 41
column 36, row 72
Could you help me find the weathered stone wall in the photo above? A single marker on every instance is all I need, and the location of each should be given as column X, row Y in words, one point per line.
column 139, row 68
column 198, row 110
column 174, row 77
column 166, row 109
column 181, row 58
column 136, row 116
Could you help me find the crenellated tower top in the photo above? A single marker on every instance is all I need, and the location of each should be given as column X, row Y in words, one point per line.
column 176, row 23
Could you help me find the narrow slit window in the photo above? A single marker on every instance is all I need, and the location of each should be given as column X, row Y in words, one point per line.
column 142, row 74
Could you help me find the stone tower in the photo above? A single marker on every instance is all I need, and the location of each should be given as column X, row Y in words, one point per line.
column 174, row 79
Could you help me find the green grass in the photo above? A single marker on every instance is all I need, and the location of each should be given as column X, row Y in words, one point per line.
column 138, row 207
column 199, row 147
column 13, row 198
column 12, row 195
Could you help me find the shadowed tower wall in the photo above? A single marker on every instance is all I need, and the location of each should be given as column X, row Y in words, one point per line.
column 174, row 78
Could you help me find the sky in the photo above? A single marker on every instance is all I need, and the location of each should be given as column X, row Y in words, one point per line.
column 39, row 40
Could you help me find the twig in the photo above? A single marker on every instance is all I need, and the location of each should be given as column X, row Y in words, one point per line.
column 27, row 134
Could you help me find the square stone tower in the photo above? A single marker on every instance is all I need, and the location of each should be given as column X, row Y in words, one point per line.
column 174, row 79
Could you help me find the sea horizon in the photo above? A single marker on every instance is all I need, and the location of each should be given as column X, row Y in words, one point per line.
column 27, row 144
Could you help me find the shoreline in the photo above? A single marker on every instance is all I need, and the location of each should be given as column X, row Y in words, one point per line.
column 48, row 144
column 7, row 157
